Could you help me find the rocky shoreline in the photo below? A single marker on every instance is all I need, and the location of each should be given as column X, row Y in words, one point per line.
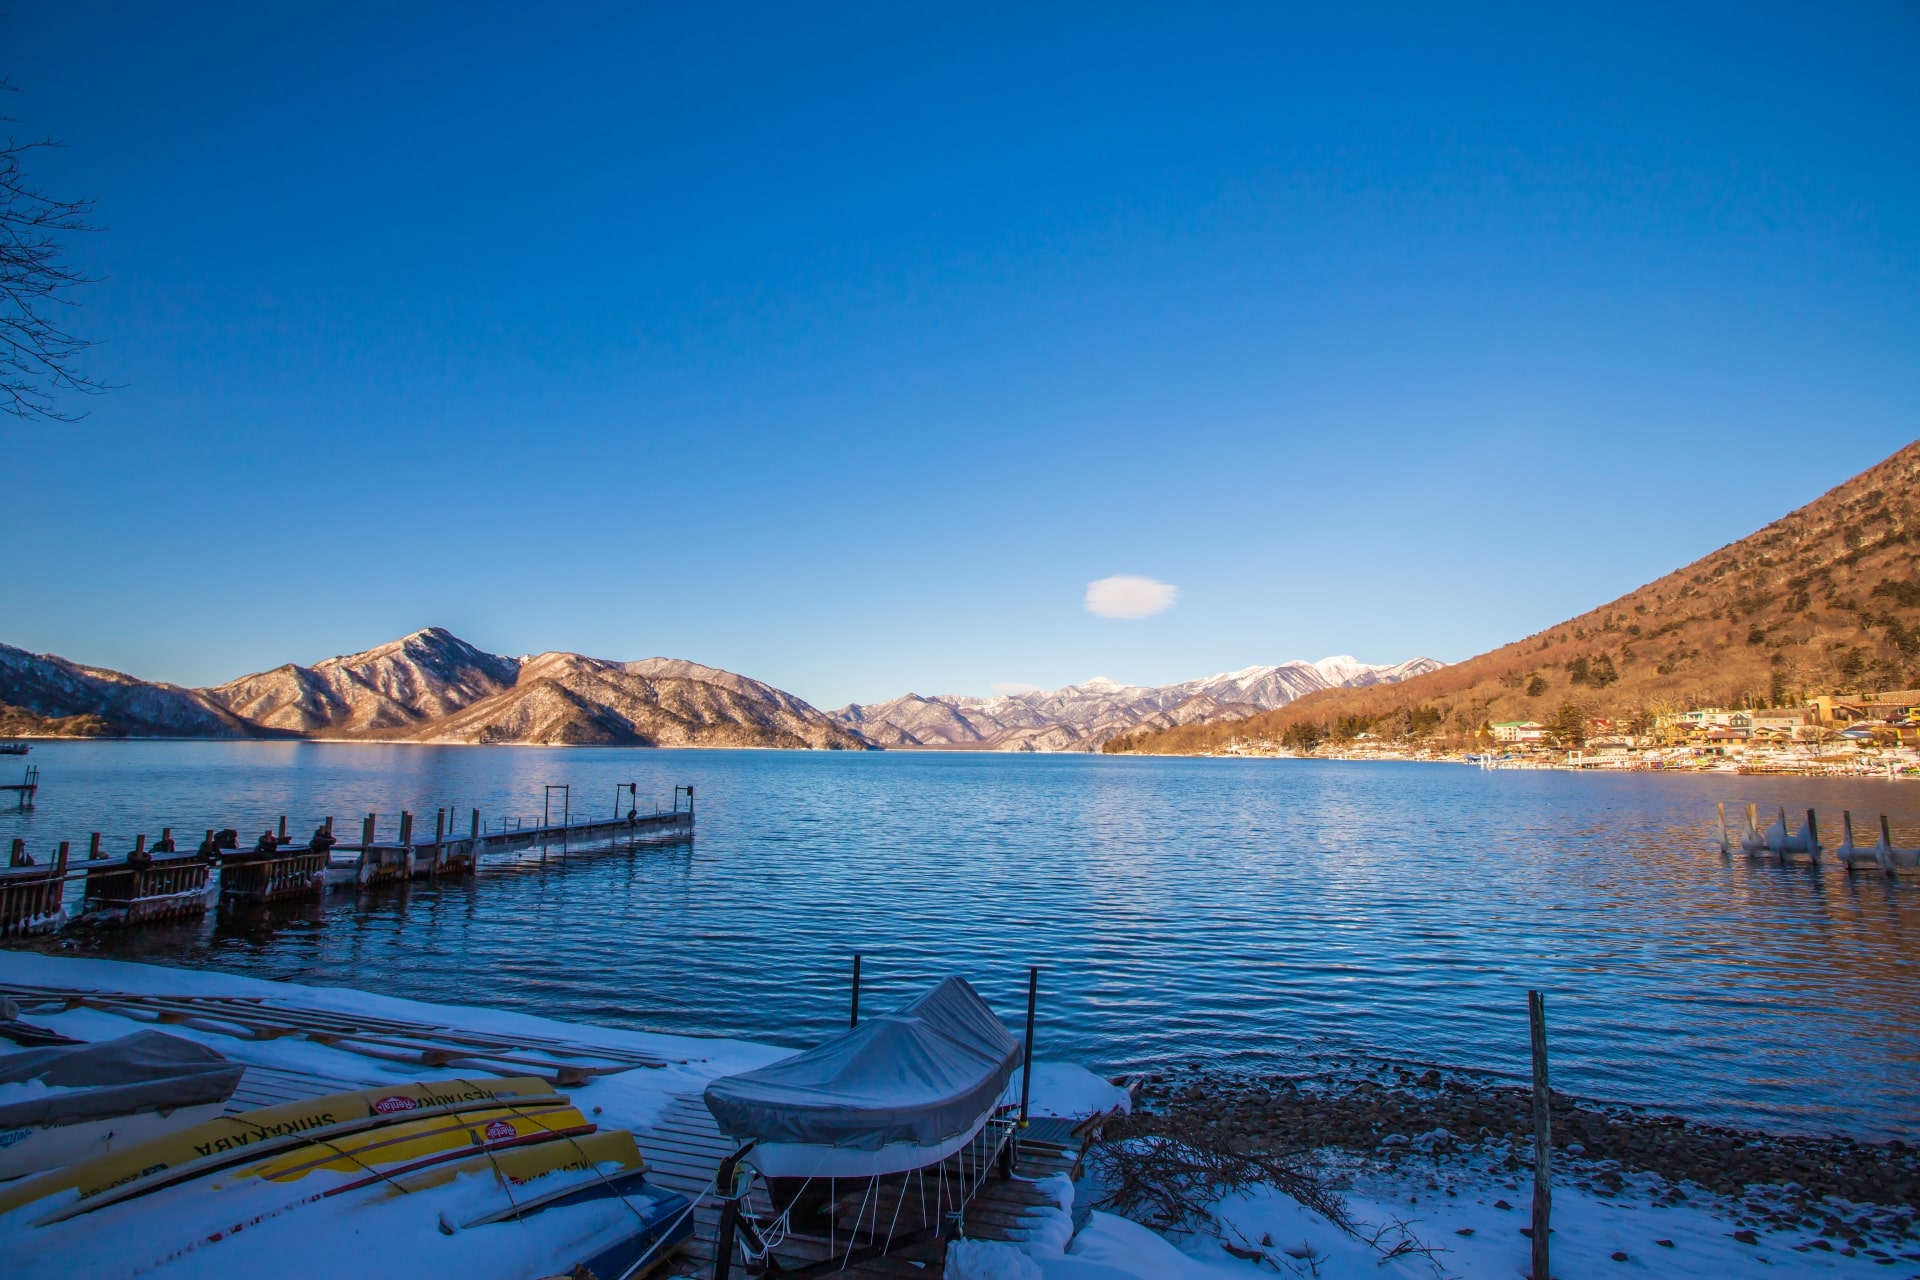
column 1842, row 1194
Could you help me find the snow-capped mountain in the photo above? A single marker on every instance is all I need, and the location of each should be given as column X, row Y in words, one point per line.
column 1080, row 717
column 430, row 686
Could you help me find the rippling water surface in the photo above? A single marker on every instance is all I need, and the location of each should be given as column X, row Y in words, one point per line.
column 1238, row 911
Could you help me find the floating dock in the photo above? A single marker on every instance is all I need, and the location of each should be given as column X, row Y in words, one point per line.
column 148, row 886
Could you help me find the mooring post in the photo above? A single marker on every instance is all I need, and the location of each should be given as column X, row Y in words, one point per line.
column 283, row 828
column 93, row 846
column 1026, row 1061
column 439, row 838
column 1813, row 835
column 853, row 1018
column 406, row 828
column 329, row 826
column 366, row 829
column 60, row 864
column 476, row 827
column 1542, row 1135
column 140, row 844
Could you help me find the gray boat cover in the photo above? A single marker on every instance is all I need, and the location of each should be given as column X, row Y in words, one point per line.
column 146, row 1071
column 925, row 1073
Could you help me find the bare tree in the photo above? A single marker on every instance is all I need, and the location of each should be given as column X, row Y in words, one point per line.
column 38, row 353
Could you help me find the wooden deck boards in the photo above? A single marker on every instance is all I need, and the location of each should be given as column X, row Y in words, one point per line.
column 683, row 1147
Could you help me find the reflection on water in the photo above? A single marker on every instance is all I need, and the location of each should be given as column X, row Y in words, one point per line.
column 1258, row 912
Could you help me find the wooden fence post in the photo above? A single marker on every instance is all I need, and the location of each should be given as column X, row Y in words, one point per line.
column 1542, row 1136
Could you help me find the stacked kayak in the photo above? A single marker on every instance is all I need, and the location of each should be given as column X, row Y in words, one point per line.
column 514, row 1147
column 67, row 1104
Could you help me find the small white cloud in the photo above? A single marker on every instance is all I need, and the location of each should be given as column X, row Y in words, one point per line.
column 1013, row 688
column 1127, row 596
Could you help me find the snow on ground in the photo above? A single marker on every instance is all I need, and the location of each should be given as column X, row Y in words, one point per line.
column 1455, row 1213
column 266, row 1228
column 1066, row 1089
column 1464, row 1234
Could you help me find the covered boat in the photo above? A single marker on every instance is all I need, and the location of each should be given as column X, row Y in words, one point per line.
column 900, row 1091
column 64, row 1104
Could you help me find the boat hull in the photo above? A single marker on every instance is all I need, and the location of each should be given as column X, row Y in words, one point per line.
column 807, row 1160
column 38, row 1148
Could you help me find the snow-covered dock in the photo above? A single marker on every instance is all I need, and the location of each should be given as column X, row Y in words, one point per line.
column 304, row 1042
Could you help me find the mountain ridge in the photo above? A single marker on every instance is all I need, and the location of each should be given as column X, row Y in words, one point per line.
column 1824, row 599
column 1085, row 716
column 428, row 686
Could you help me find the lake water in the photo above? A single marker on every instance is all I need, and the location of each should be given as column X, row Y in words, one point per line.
column 1263, row 913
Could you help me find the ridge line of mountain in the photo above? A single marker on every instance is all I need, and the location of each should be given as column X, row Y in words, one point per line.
column 431, row 686
column 1824, row 600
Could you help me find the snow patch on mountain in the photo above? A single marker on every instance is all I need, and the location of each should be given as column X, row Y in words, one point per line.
column 1080, row 717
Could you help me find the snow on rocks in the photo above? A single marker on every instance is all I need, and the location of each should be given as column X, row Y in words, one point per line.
column 1073, row 1092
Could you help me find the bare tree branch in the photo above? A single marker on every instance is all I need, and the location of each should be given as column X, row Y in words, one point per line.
column 38, row 353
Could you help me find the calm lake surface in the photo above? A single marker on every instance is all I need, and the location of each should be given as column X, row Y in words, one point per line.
column 1258, row 913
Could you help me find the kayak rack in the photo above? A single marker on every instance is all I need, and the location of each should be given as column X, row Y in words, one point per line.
column 561, row 1063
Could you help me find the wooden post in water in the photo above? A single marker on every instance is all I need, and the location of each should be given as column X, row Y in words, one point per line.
column 140, row 844
column 853, row 1018
column 1026, row 1062
column 406, row 827
column 1813, row 836
column 439, row 838
column 283, row 828
column 93, row 845
column 367, row 825
column 60, row 864
column 476, row 829
column 1542, row 1136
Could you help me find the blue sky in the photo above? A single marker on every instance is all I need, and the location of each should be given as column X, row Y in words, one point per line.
column 845, row 346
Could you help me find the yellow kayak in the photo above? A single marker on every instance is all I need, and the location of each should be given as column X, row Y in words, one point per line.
column 400, row 1145
column 225, row 1141
column 519, row 1166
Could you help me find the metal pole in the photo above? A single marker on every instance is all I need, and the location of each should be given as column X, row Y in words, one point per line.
column 853, row 1018
column 1026, row 1064
column 1542, row 1136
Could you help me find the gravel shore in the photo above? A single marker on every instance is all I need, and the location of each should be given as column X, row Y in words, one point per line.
column 1839, row 1193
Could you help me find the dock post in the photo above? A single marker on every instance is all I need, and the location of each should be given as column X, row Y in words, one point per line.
column 329, row 826
column 60, row 863
column 853, row 1018
column 93, row 846
column 1813, row 836
column 406, row 827
column 476, row 827
column 283, row 828
column 17, row 854
column 439, row 838
column 1542, row 1135
column 140, row 844
column 1026, row 1064
column 366, row 830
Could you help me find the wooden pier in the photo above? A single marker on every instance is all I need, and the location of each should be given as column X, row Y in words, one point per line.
column 126, row 891
column 30, row 898
column 26, row 788
column 144, row 886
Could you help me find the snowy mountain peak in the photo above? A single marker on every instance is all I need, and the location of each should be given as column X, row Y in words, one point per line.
column 1081, row 716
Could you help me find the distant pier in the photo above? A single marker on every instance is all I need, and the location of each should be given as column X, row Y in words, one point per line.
column 147, row 886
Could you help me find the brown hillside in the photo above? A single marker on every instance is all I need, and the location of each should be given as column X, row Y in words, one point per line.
column 1826, row 599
